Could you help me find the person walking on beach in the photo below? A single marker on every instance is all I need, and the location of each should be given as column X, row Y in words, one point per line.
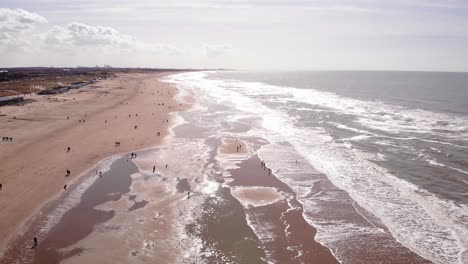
column 68, row 149
column 1, row 187
column 35, row 242
column 68, row 173
column 65, row 187
column 154, row 169
column 166, row 166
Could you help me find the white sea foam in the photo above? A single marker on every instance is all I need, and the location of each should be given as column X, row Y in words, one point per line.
column 433, row 227
column 435, row 163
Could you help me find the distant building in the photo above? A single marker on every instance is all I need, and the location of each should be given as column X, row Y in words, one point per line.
column 3, row 75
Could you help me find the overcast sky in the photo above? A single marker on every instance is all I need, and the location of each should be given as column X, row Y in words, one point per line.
column 242, row 34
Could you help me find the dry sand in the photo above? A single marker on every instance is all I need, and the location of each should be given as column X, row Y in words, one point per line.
column 34, row 164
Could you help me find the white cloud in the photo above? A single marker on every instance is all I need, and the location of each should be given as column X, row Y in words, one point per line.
column 78, row 35
column 7, row 39
column 16, row 20
column 216, row 50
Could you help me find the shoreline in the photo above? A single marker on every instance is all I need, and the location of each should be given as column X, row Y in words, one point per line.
column 138, row 83
column 190, row 193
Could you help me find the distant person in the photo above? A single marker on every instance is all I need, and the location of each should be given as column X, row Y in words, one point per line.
column 35, row 242
column 1, row 187
column 68, row 149
column 166, row 166
column 154, row 169
column 65, row 187
column 68, row 173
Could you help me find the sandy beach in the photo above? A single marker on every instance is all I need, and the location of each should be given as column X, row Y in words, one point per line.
column 183, row 184
column 130, row 109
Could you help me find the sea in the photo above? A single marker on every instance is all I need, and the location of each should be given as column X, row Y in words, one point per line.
column 393, row 147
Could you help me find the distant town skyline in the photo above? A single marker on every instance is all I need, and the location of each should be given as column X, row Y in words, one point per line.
column 419, row 35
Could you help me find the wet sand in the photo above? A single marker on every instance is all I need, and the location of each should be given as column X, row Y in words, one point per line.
column 286, row 236
column 254, row 218
column 33, row 166
column 77, row 222
column 225, row 233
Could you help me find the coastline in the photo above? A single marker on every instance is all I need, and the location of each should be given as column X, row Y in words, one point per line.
column 190, row 194
column 41, row 181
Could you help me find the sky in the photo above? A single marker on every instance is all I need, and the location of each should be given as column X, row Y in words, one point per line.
column 421, row 35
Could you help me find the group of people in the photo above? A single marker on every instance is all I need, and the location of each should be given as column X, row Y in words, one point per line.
column 7, row 139
column 263, row 165
column 238, row 147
